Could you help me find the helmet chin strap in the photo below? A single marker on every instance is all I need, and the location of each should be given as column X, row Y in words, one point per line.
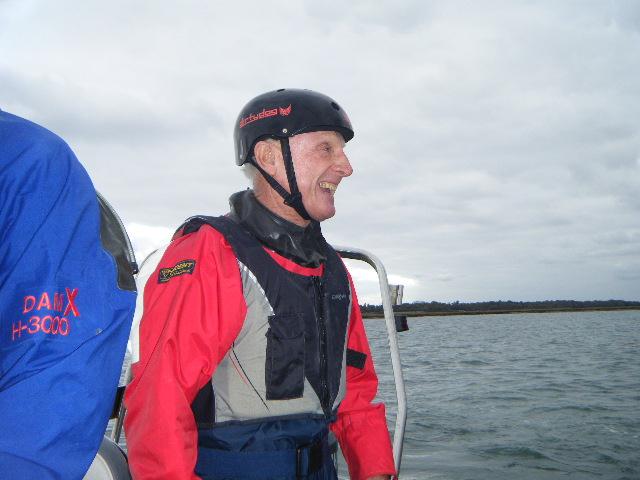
column 293, row 199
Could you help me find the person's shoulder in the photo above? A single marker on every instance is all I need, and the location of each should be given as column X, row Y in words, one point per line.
column 204, row 242
column 22, row 133
column 30, row 150
column 34, row 158
column 200, row 254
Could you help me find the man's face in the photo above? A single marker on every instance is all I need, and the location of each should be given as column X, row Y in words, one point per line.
column 320, row 164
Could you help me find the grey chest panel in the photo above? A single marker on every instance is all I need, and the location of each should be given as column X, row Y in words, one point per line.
column 239, row 382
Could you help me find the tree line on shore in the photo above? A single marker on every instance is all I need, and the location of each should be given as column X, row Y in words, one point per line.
column 501, row 306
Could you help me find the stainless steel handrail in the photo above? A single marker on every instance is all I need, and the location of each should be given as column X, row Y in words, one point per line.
column 401, row 417
column 116, row 433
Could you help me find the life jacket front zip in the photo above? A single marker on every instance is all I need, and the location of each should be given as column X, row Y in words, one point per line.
column 322, row 345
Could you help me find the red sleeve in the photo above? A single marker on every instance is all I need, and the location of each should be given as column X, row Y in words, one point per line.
column 361, row 426
column 189, row 322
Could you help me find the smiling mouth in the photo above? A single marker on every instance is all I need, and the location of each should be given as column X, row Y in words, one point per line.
column 330, row 187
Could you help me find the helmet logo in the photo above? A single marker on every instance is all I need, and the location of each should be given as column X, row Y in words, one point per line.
column 265, row 113
column 285, row 111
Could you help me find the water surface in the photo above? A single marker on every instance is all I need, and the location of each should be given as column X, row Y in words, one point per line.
column 526, row 396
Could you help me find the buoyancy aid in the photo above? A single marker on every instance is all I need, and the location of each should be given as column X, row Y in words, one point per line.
column 273, row 395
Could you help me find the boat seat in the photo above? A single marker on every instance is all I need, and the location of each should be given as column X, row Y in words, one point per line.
column 110, row 463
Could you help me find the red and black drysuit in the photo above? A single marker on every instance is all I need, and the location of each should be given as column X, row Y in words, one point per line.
column 251, row 347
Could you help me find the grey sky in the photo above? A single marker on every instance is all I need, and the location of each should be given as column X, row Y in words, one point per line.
column 497, row 148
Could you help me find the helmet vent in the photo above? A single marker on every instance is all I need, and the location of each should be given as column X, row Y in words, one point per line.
column 280, row 90
column 335, row 105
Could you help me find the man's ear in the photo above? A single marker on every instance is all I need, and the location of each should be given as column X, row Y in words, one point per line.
column 266, row 155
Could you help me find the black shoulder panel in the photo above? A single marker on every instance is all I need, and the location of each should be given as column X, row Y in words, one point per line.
column 193, row 224
column 115, row 241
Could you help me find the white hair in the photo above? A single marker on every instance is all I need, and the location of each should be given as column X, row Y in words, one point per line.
column 251, row 172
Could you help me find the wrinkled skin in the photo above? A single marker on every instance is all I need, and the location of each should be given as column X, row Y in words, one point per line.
column 320, row 164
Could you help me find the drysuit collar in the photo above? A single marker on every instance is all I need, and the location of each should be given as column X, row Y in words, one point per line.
column 303, row 245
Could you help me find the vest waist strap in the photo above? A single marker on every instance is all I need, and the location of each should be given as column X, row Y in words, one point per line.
column 296, row 463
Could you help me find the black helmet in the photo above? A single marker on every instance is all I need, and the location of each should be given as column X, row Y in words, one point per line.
column 284, row 113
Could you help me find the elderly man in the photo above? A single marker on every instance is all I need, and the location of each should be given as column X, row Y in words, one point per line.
column 252, row 346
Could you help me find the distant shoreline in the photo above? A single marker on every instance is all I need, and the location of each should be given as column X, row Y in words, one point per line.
column 369, row 315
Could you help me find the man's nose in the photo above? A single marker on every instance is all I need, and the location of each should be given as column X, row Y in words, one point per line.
column 343, row 166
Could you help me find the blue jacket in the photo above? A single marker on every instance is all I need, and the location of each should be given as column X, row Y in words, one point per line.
column 64, row 321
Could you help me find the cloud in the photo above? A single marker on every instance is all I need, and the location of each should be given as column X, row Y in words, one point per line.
column 146, row 239
column 629, row 273
column 626, row 14
column 497, row 148
column 103, row 114
column 381, row 15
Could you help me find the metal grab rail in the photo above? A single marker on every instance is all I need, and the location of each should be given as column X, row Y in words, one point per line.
column 401, row 417
column 116, row 433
